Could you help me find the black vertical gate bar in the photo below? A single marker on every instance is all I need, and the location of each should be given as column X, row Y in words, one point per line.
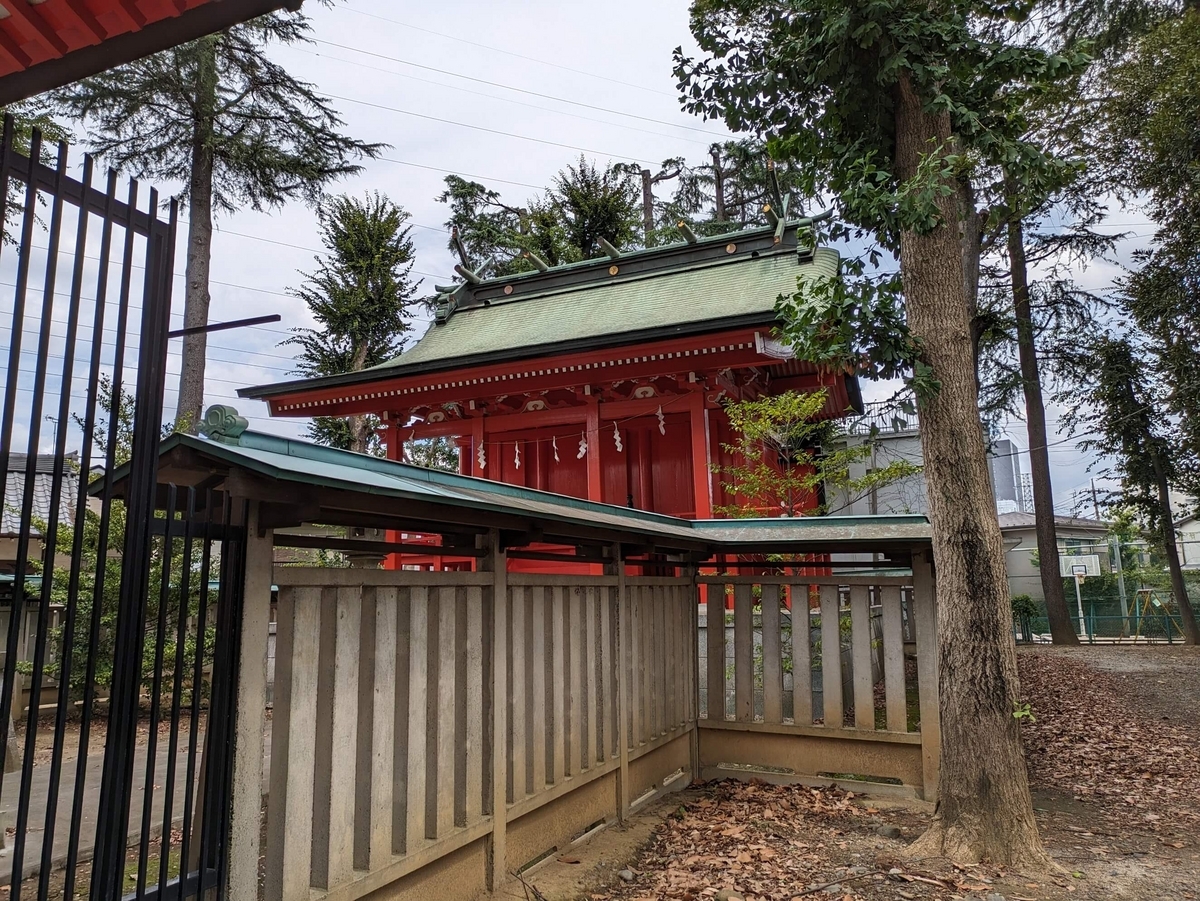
column 81, row 517
column 164, row 594
column 48, row 535
column 190, row 799
column 17, row 610
column 106, row 499
column 213, row 738
column 185, row 590
column 214, row 840
column 116, row 784
column 60, row 449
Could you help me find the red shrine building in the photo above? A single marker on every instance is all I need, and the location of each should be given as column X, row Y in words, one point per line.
column 603, row 379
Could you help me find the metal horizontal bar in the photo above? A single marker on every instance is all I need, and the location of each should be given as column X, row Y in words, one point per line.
column 224, row 326
column 88, row 198
column 179, row 888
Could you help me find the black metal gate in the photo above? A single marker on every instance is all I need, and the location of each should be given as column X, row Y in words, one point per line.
column 121, row 594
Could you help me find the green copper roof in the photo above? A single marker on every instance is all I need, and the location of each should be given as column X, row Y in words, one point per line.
column 666, row 303
column 716, row 283
column 187, row 459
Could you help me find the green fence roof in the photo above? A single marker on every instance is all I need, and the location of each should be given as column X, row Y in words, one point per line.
column 466, row 500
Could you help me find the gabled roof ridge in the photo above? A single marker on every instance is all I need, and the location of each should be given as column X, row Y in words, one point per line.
column 475, row 292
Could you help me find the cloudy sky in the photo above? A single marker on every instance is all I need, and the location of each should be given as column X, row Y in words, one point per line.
column 506, row 93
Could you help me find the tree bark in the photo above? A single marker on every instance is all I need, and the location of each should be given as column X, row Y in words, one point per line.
column 1191, row 633
column 1061, row 631
column 984, row 808
column 358, row 424
column 718, row 184
column 190, row 406
column 647, row 205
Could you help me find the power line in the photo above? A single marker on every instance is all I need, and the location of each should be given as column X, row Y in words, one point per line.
column 534, row 106
column 491, row 131
column 503, row 181
column 1070, row 437
column 506, row 87
column 212, row 281
column 532, row 59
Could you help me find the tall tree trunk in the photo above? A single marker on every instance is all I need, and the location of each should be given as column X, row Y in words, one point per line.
column 647, row 205
column 190, row 406
column 1191, row 633
column 984, row 808
column 718, row 184
column 1061, row 631
column 358, row 424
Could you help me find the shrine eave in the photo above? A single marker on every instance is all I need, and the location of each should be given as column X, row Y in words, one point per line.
column 44, row 45
column 512, row 355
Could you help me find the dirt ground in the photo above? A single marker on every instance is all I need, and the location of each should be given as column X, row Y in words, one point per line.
column 1114, row 760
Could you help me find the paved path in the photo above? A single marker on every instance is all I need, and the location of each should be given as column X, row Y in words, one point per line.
column 39, row 797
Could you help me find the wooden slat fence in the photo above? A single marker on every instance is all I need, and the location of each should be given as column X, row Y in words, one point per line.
column 827, row 658
column 383, row 754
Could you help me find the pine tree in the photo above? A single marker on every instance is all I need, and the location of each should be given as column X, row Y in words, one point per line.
column 563, row 225
column 362, row 299
column 1116, row 406
column 235, row 128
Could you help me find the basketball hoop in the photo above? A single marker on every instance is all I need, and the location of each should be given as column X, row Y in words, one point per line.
column 1080, row 573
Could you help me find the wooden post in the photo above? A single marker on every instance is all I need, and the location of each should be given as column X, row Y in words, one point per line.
column 860, row 655
column 595, row 479
column 692, row 597
column 772, row 651
column 925, row 614
column 701, row 477
column 497, row 563
column 246, row 814
column 623, row 639
column 831, row 657
column 743, row 653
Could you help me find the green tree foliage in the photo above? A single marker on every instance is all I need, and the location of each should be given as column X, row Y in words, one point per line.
column 234, row 127
column 1151, row 127
column 786, row 457
column 98, row 580
column 727, row 193
column 563, row 225
column 432, row 453
column 362, row 298
column 896, row 109
column 1115, row 409
column 626, row 205
column 27, row 117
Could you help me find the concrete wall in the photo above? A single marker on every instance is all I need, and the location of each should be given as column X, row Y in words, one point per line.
column 1021, row 556
column 905, row 496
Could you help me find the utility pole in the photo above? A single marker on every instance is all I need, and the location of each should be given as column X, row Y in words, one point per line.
column 1095, row 502
column 1114, row 544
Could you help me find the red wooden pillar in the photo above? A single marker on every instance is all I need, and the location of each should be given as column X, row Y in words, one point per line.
column 395, row 451
column 595, row 481
column 701, row 477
